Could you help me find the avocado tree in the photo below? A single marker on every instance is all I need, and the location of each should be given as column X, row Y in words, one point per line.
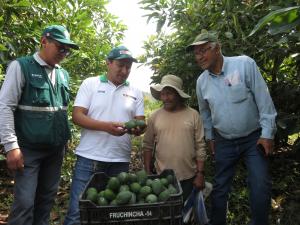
column 286, row 22
column 90, row 25
column 277, row 55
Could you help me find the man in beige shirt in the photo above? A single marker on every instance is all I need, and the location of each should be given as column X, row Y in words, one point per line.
column 177, row 132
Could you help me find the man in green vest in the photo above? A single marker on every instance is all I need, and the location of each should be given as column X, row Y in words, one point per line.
column 34, row 125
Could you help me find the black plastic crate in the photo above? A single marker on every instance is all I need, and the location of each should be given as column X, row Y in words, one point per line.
column 160, row 213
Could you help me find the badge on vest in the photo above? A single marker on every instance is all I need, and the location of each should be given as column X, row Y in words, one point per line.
column 39, row 76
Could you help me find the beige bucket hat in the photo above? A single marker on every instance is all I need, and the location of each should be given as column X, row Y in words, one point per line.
column 168, row 81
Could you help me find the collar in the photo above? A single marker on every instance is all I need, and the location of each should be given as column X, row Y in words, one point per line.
column 222, row 71
column 103, row 79
column 43, row 63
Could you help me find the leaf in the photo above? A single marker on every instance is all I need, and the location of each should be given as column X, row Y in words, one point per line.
column 271, row 16
column 23, row 3
column 276, row 29
column 2, row 48
column 160, row 24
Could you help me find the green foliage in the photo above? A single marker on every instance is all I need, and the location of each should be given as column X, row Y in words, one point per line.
column 280, row 20
column 277, row 55
column 150, row 105
column 90, row 25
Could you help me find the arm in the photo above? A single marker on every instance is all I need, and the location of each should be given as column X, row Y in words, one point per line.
column 148, row 145
column 205, row 113
column 199, row 181
column 147, row 159
column 267, row 112
column 10, row 94
column 80, row 118
column 200, row 148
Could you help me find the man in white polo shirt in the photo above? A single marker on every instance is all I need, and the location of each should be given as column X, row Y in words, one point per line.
column 102, row 105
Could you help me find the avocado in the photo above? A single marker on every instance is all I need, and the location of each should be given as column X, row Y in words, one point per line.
column 102, row 201
column 109, row 194
column 113, row 184
column 123, row 197
column 151, row 198
column 172, row 189
column 140, row 123
column 130, row 124
column 157, row 186
column 141, row 176
column 135, row 187
column 91, row 190
column 124, row 187
column 145, row 190
column 92, row 196
column 123, row 177
column 164, row 181
column 164, row 196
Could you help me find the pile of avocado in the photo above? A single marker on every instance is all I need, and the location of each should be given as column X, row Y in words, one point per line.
column 133, row 188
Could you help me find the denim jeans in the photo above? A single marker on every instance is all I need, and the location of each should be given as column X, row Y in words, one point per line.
column 35, row 188
column 84, row 169
column 227, row 155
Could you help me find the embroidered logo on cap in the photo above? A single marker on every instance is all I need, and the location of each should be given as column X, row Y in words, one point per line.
column 125, row 52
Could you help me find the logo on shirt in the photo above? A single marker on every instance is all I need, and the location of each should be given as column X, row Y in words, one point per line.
column 40, row 76
column 129, row 96
column 101, row 91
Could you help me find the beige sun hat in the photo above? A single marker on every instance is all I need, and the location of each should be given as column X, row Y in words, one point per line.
column 168, row 81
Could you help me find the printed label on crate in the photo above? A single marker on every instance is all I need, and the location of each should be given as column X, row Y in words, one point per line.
column 130, row 214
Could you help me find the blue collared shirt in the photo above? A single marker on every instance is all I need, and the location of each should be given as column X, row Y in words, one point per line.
column 236, row 102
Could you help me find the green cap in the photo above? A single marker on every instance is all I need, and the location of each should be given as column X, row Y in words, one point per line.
column 202, row 38
column 120, row 52
column 60, row 34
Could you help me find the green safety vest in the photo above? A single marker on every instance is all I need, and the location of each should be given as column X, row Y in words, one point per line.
column 41, row 118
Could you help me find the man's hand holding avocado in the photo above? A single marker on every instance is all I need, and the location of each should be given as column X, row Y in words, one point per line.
column 136, row 126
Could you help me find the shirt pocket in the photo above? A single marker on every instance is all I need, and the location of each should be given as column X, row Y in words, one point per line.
column 40, row 93
column 65, row 93
column 238, row 93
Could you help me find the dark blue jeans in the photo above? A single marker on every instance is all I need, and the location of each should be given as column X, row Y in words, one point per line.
column 35, row 188
column 227, row 155
column 84, row 169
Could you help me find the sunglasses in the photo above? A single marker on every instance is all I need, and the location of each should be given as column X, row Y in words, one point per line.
column 61, row 48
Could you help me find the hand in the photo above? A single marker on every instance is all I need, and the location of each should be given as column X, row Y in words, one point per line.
column 199, row 181
column 267, row 144
column 136, row 131
column 14, row 160
column 116, row 129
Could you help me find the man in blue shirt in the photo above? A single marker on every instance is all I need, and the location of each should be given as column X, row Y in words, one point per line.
column 239, row 122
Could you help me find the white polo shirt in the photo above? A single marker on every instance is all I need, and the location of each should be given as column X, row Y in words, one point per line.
column 106, row 102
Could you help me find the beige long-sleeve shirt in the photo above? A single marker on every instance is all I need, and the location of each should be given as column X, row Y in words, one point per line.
column 179, row 138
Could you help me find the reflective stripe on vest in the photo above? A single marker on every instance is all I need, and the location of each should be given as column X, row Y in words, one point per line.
column 42, row 109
